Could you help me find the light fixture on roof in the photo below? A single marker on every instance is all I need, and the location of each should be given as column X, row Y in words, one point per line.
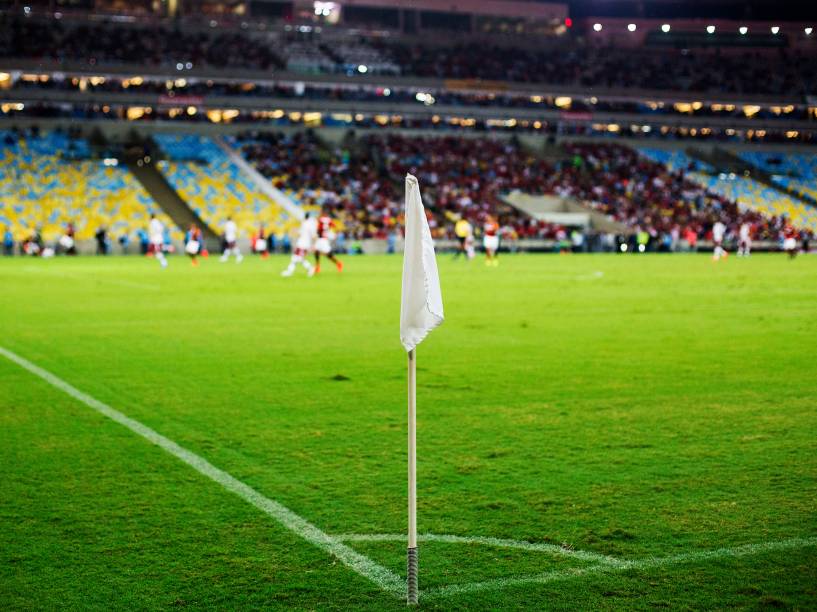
column 362, row 69
column 710, row 29
column 775, row 29
column 743, row 30
column 631, row 27
column 597, row 27
column 665, row 28
column 808, row 31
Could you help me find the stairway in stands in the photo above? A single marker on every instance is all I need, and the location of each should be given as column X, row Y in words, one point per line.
column 142, row 166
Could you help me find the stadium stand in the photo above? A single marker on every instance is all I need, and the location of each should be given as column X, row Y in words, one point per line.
column 48, row 181
column 746, row 191
column 795, row 171
column 563, row 62
column 214, row 187
column 366, row 201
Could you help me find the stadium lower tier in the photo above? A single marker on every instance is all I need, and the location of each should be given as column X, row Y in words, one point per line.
column 662, row 193
column 44, row 187
column 216, row 188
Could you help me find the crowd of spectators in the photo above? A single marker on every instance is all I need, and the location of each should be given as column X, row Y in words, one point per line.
column 645, row 195
column 782, row 72
column 349, row 182
column 464, row 177
column 570, row 62
column 99, row 44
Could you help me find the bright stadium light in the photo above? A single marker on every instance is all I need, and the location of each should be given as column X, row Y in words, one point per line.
column 710, row 29
column 363, row 69
column 597, row 27
column 808, row 31
column 631, row 27
column 743, row 30
column 775, row 29
column 665, row 28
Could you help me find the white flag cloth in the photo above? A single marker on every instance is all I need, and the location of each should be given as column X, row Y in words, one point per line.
column 421, row 308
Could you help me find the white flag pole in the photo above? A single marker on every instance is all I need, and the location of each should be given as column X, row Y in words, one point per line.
column 412, row 478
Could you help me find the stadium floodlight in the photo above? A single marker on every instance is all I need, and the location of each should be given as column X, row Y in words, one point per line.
column 27, row 10
column 179, row 66
column 710, row 29
column 597, row 27
column 665, row 28
column 189, row 65
column 808, row 31
column 631, row 27
column 362, row 69
column 743, row 30
column 775, row 29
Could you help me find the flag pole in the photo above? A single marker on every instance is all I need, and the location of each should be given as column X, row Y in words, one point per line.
column 412, row 478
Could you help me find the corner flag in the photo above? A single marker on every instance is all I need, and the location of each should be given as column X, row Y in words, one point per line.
column 421, row 310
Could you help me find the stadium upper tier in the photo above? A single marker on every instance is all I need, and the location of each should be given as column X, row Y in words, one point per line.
column 215, row 187
column 47, row 182
column 565, row 62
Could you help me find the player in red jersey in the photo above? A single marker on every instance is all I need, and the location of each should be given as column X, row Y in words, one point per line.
column 490, row 240
column 323, row 242
column 790, row 243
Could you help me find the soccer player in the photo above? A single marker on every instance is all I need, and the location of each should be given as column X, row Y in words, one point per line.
column 718, row 232
column 306, row 235
column 231, row 241
column 259, row 242
column 465, row 236
column 745, row 240
column 156, row 230
column 192, row 244
column 790, row 241
column 490, row 240
column 323, row 242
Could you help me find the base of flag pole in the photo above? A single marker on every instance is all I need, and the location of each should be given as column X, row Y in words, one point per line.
column 412, row 576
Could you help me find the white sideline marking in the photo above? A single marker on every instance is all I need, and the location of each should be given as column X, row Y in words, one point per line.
column 641, row 564
column 364, row 566
column 485, row 541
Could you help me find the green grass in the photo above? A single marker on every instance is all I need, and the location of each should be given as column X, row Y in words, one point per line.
column 663, row 408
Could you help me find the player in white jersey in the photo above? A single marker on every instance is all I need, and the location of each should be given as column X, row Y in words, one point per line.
column 307, row 235
column 231, row 241
column 745, row 240
column 156, row 231
column 718, row 233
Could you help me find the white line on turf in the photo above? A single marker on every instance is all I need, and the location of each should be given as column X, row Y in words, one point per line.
column 485, row 541
column 364, row 566
column 640, row 564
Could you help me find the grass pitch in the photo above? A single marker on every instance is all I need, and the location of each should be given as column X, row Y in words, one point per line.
column 642, row 408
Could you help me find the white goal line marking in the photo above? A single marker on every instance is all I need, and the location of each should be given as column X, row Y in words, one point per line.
column 485, row 541
column 382, row 577
column 640, row 564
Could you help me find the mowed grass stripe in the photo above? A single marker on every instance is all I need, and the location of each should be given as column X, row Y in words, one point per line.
column 361, row 564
